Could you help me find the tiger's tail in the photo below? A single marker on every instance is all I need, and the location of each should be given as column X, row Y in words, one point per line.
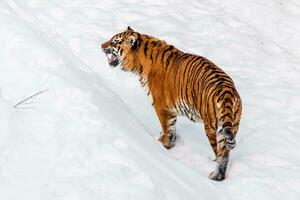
column 226, row 119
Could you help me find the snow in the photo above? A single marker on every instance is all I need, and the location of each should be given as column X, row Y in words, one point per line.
column 93, row 133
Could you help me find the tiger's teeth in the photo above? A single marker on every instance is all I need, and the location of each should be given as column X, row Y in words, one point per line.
column 113, row 57
column 109, row 55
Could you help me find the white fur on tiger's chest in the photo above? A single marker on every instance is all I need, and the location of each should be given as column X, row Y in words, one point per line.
column 145, row 85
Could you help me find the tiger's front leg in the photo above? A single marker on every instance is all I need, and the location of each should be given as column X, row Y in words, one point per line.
column 168, row 123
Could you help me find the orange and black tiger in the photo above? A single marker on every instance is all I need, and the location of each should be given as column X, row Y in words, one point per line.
column 181, row 84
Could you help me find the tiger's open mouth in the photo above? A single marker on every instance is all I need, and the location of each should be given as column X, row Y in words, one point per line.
column 112, row 58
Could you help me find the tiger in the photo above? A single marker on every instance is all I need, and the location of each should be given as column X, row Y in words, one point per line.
column 181, row 84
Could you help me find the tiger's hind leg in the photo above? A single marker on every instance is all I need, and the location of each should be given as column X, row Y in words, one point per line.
column 168, row 124
column 225, row 143
column 217, row 142
column 211, row 135
column 222, row 157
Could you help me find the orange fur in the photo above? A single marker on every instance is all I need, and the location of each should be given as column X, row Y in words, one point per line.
column 183, row 84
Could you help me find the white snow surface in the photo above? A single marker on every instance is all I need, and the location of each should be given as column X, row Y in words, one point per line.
column 93, row 134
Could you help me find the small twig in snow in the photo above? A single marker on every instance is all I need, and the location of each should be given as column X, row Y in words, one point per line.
column 38, row 93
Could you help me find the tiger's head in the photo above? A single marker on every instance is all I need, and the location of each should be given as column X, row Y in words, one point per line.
column 119, row 46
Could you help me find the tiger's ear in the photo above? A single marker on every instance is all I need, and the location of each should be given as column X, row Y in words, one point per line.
column 132, row 40
column 129, row 29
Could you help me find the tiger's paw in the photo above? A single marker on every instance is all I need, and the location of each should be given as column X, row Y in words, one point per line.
column 168, row 142
column 217, row 176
